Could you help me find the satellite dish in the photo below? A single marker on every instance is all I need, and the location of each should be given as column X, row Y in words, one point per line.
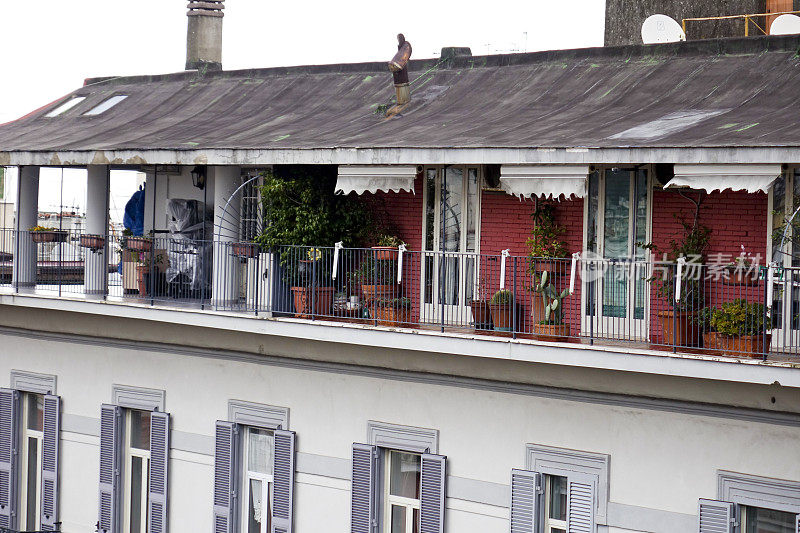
column 785, row 25
column 662, row 29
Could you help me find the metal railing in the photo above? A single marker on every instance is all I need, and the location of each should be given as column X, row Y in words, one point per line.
column 748, row 311
column 749, row 18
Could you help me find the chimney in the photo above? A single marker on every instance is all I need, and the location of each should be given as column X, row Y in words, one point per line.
column 399, row 69
column 204, row 37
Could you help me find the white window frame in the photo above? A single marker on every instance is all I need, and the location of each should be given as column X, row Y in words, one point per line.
column 129, row 452
column 246, row 475
column 640, row 327
column 26, row 434
column 551, row 524
column 410, row 504
column 461, row 311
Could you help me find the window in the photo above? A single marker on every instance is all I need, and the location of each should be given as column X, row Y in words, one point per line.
column 760, row 520
column 784, row 200
column 256, row 480
column 31, row 460
column 401, row 492
column 134, row 463
column 136, row 470
column 29, row 456
column 398, row 483
column 254, row 465
column 555, row 498
column 105, row 105
column 66, row 106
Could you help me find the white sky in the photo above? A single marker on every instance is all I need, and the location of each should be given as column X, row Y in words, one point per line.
column 51, row 46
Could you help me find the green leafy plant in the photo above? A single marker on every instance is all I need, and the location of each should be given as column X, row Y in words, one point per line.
column 395, row 303
column 389, row 240
column 739, row 317
column 374, row 272
column 553, row 300
column 703, row 318
column 502, row 297
column 545, row 239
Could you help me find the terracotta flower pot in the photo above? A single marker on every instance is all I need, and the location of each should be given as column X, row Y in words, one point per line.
column 502, row 316
column 141, row 270
column 710, row 342
column 49, row 236
column 481, row 314
column 537, row 309
column 385, row 253
column 551, row 331
column 371, row 292
column 741, row 278
column 744, row 345
column 138, row 244
column 679, row 329
column 322, row 301
column 390, row 316
column 93, row 242
column 248, row 250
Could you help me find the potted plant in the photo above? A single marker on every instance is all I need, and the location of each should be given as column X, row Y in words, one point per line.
column 378, row 279
column 481, row 314
column 245, row 250
column 741, row 328
column 311, row 296
column 742, row 272
column 391, row 311
column 677, row 318
column 41, row 234
column 546, row 252
column 147, row 264
column 502, row 308
column 137, row 243
column 702, row 321
column 387, row 248
column 552, row 324
column 92, row 242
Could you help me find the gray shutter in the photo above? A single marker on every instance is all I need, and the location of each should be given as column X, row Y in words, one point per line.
column 9, row 414
column 431, row 504
column 525, row 490
column 581, row 504
column 797, row 525
column 107, row 516
column 50, row 455
column 159, row 473
column 226, row 449
column 283, row 482
column 363, row 491
column 715, row 516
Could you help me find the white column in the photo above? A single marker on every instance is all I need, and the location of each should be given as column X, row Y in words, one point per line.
column 225, row 281
column 24, row 271
column 95, row 273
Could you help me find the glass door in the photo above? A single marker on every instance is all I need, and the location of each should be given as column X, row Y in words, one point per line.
column 450, row 242
column 784, row 250
column 615, row 288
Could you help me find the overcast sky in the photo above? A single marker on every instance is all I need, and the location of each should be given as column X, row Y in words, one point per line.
column 51, row 46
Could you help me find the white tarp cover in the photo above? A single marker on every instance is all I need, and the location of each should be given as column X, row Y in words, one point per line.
column 375, row 178
column 736, row 177
column 548, row 181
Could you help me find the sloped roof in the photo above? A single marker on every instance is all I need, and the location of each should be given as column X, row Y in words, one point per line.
column 711, row 94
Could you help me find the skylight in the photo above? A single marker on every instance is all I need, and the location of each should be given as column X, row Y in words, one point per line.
column 66, row 106
column 105, row 105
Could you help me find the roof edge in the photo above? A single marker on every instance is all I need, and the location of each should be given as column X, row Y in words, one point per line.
column 726, row 46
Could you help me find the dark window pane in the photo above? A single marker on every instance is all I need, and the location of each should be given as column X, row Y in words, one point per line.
column 30, row 494
column 758, row 520
column 136, row 494
column 35, row 411
column 404, row 472
column 140, row 429
column 398, row 519
column 558, row 497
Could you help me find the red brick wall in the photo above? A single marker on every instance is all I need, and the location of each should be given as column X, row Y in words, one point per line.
column 400, row 213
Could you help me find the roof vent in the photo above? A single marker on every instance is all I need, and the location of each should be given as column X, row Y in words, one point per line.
column 204, row 36
column 399, row 68
column 452, row 52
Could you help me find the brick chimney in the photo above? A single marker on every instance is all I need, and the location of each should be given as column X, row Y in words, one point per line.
column 204, row 36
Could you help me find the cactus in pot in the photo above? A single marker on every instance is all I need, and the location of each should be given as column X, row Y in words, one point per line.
column 553, row 323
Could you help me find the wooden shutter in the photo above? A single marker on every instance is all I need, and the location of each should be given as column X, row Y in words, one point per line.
column 225, row 479
column 432, row 485
column 9, row 431
column 50, row 457
column 158, row 480
column 362, row 495
column 525, row 489
column 110, row 421
column 283, row 482
column 715, row 516
column 581, row 504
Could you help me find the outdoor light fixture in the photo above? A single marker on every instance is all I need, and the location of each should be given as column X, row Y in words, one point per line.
column 199, row 176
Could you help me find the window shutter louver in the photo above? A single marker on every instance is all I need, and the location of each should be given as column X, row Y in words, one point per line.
column 225, row 480
column 362, row 494
column 715, row 516
column 110, row 420
column 159, row 472
column 797, row 525
column 432, row 485
column 50, row 456
column 581, row 503
column 283, row 482
column 9, row 414
column 525, row 488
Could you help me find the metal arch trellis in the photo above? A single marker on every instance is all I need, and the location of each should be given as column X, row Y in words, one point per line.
column 231, row 212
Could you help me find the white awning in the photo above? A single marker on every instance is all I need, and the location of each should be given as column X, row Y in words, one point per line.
column 736, row 177
column 375, row 178
column 548, row 181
